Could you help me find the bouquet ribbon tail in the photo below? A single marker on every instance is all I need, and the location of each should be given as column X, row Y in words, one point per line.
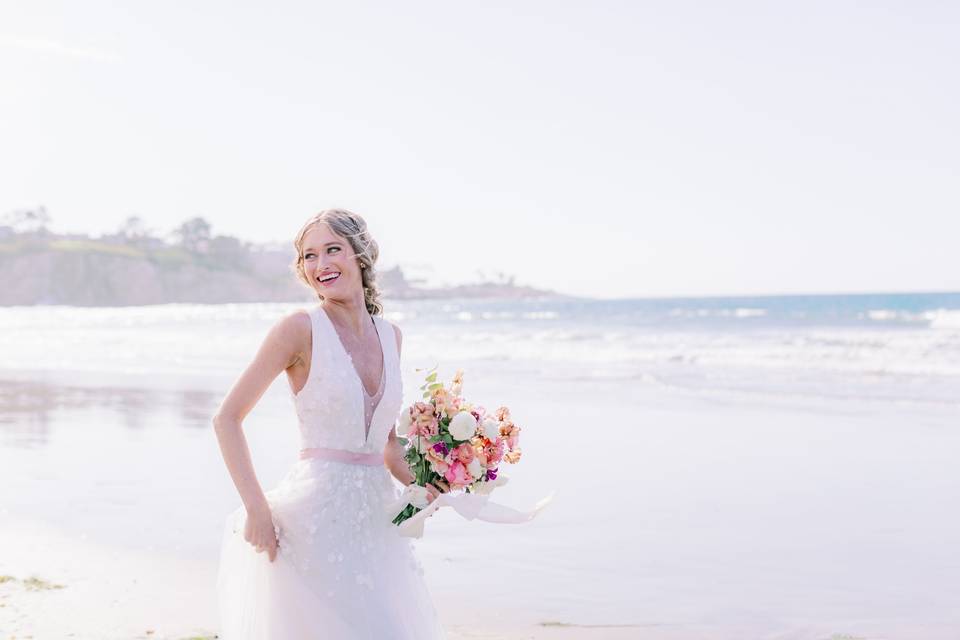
column 409, row 496
column 471, row 506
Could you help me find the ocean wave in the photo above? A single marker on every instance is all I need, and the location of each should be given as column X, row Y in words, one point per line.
column 540, row 315
column 934, row 319
column 219, row 340
column 883, row 314
column 738, row 312
column 894, row 316
column 944, row 318
column 746, row 313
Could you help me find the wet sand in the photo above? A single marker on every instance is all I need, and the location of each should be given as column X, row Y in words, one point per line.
column 53, row 586
column 700, row 520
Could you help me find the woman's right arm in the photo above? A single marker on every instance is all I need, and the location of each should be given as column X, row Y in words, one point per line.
column 283, row 347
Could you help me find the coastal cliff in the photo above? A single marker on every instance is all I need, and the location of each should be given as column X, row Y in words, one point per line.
column 116, row 271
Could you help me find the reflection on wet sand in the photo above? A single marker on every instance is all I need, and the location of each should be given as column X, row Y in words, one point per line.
column 30, row 410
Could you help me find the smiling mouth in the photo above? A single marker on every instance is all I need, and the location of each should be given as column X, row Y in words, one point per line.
column 328, row 279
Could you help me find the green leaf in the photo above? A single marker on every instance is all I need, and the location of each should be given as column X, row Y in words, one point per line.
column 435, row 385
column 432, row 377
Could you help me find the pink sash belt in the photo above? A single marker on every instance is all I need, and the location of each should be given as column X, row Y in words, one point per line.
column 342, row 455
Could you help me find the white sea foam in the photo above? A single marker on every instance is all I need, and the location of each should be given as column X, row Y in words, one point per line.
column 738, row 312
column 540, row 315
column 944, row 318
column 882, row 314
column 747, row 313
column 217, row 341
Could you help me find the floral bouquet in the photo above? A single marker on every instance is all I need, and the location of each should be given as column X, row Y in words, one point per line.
column 452, row 442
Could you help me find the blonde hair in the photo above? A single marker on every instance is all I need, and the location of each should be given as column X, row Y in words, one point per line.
column 353, row 228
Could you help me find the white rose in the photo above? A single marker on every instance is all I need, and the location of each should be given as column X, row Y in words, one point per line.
column 491, row 428
column 475, row 468
column 463, row 425
column 416, row 495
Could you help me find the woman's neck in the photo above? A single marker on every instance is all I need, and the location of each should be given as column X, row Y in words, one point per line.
column 352, row 314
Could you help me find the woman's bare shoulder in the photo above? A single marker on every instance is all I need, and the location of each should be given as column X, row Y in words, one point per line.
column 294, row 329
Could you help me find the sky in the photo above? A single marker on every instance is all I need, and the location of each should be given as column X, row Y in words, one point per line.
column 602, row 149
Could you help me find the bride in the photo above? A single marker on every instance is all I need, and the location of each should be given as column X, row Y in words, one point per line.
column 317, row 556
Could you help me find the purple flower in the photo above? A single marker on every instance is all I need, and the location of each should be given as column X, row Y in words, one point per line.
column 491, row 474
column 441, row 448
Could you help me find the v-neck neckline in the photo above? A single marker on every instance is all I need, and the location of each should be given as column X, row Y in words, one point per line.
column 383, row 357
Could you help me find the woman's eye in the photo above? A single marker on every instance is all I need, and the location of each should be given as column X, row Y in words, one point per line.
column 332, row 248
column 307, row 256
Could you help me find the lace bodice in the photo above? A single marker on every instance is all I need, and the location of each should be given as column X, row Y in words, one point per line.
column 330, row 405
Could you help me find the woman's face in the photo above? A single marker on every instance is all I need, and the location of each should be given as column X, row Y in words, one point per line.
column 325, row 255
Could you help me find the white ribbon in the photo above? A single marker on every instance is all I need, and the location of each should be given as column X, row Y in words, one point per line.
column 469, row 505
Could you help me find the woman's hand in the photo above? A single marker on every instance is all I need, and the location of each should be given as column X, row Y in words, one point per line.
column 434, row 490
column 260, row 532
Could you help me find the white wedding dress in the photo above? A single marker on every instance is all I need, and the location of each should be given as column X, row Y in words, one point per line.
column 342, row 570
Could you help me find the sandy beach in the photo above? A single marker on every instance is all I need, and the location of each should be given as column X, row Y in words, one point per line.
column 720, row 542
column 53, row 586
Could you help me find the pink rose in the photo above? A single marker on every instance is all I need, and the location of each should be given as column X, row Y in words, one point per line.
column 458, row 476
column 502, row 414
column 464, row 453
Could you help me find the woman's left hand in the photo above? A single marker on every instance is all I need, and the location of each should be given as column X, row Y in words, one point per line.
column 432, row 492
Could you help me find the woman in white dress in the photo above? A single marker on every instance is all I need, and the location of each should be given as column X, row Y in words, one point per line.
column 317, row 556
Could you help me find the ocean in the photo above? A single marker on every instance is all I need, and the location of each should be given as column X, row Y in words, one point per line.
column 738, row 467
column 885, row 347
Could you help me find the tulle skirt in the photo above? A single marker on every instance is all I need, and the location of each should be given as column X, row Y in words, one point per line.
column 342, row 571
